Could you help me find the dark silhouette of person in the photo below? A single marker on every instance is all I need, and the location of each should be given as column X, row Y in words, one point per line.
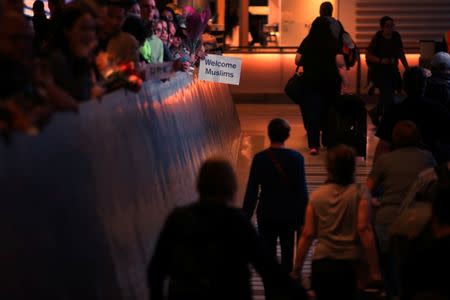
column 41, row 25
column 277, row 186
column 383, row 54
column 205, row 248
column 432, row 118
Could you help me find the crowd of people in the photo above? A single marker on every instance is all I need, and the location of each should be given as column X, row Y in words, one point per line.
column 394, row 229
column 324, row 60
column 396, row 243
column 86, row 49
column 391, row 233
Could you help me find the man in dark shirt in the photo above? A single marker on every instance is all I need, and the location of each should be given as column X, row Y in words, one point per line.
column 431, row 118
column 205, row 248
column 277, row 186
column 384, row 51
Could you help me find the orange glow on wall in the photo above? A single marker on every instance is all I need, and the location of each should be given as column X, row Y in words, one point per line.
column 269, row 72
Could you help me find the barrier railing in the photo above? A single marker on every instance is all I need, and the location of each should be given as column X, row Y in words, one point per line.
column 83, row 202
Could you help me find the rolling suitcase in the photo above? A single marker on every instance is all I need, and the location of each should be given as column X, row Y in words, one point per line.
column 347, row 123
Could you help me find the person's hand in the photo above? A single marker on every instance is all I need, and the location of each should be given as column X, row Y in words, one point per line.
column 180, row 65
column 97, row 91
column 427, row 73
column 102, row 61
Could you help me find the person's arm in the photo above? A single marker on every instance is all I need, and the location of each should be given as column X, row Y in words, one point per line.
column 340, row 63
column 298, row 58
column 402, row 56
column 370, row 55
column 308, row 234
column 373, row 181
column 403, row 60
column 303, row 190
column 367, row 239
column 251, row 194
column 370, row 184
column 158, row 266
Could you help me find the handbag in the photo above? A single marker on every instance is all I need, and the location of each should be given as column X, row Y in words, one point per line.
column 295, row 86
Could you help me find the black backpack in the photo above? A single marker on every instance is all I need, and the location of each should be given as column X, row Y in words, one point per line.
column 348, row 48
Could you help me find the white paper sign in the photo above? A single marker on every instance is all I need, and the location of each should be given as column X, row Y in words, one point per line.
column 158, row 71
column 219, row 68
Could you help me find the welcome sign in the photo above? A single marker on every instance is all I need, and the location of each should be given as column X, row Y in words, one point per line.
column 219, row 68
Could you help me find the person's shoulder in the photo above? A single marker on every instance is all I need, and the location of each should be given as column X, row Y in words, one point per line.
column 377, row 35
column 321, row 190
column 396, row 34
column 426, row 153
column 260, row 155
column 292, row 152
column 155, row 40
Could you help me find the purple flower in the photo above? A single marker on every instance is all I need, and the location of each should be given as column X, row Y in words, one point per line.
column 196, row 23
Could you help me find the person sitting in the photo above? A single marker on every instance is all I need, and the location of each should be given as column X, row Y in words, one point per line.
column 205, row 248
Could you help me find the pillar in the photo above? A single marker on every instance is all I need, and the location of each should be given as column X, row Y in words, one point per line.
column 221, row 12
column 243, row 23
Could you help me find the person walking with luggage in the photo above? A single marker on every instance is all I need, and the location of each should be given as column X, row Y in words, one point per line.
column 338, row 216
column 321, row 59
column 277, row 185
column 384, row 51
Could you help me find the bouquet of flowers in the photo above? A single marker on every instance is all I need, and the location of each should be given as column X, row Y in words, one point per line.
column 196, row 23
column 123, row 76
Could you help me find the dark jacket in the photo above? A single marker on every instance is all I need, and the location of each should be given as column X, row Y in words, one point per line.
column 283, row 198
column 319, row 50
column 438, row 89
column 205, row 250
column 432, row 120
column 72, row 74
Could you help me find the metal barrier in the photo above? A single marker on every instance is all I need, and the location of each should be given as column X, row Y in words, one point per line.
column 83, row 202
